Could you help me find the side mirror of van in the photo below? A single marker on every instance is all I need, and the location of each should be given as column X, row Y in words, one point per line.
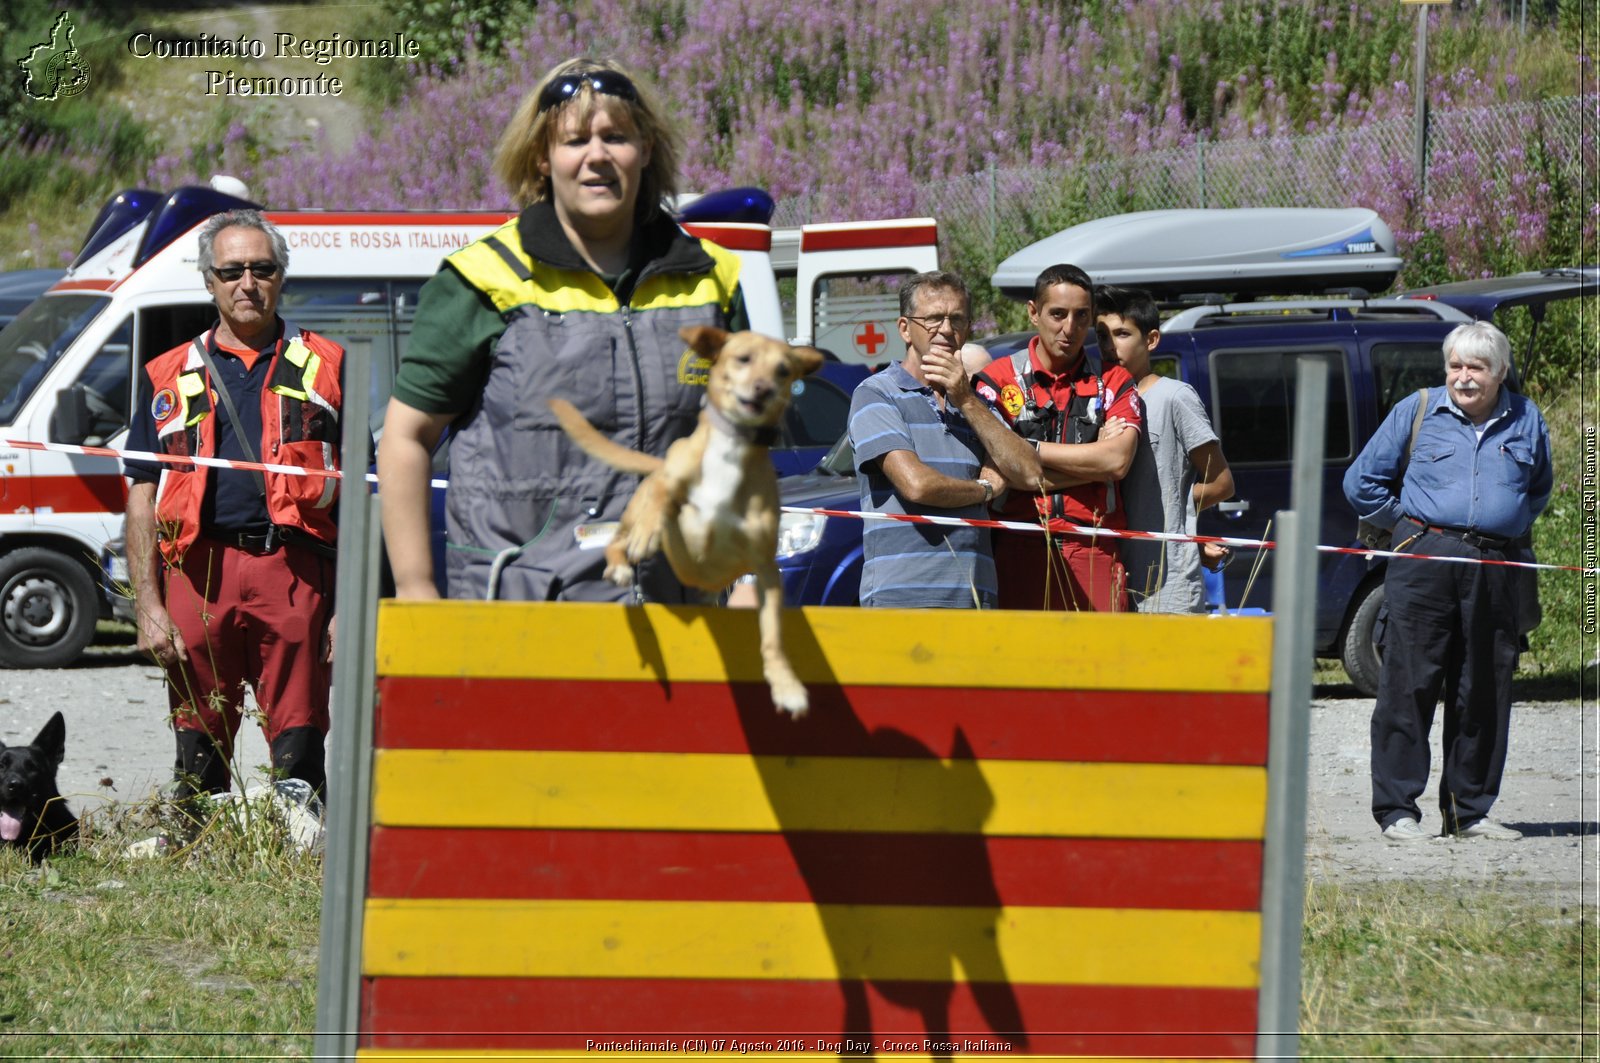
column 71, row 421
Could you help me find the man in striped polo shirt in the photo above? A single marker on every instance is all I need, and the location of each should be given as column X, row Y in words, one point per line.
column 926, row 443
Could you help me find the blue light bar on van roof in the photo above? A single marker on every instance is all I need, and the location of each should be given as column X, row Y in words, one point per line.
column 751, row 206
column 183, row 210
column 121, row 213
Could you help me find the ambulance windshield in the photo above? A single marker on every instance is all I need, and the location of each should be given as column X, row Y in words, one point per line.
column 32, row 344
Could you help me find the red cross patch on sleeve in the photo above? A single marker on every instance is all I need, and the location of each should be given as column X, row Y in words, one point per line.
column 1011, row 399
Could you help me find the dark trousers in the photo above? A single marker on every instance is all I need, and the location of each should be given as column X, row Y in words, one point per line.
column 1449, row 628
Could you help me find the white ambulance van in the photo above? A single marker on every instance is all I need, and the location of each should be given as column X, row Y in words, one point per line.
column 67, row 362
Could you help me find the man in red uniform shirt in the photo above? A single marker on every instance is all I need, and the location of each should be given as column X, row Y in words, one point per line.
column 1052, row 397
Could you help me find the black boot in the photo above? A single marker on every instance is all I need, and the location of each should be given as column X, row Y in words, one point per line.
column 297, row 753
column 200, row 767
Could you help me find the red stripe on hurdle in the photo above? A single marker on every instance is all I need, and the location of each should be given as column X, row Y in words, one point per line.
column 569, row 1013
column 838, row 868
column 595, row 715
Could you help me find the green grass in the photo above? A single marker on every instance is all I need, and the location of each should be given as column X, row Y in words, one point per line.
column 210, row 954
column 1405, row 970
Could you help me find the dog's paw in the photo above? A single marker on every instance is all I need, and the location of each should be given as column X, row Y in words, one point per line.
column 643, row 542
column 620, row 574
column 790, row 696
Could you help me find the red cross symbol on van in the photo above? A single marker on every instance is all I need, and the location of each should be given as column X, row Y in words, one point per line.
column 869, row 339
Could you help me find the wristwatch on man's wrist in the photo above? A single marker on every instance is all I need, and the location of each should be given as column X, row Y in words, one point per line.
column 988, row 490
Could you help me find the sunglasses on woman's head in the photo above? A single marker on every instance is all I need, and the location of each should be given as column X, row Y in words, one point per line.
column 605, row 82
column 261, row 271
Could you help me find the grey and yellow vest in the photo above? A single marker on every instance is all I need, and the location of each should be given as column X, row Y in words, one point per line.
column 516, row 480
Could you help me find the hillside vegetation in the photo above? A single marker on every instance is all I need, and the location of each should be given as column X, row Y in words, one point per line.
column 857, row 109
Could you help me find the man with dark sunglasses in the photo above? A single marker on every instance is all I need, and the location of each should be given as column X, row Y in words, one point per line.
column 232, row 569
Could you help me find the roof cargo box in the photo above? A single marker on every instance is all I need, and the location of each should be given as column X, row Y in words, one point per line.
column 1237, row 251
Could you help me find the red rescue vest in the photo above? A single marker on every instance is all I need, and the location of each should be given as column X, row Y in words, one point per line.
column 299, row 426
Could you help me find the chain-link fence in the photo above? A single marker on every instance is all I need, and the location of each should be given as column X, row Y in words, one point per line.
column 1494, row 174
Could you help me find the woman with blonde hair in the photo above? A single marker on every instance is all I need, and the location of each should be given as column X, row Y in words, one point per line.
column 581, row 297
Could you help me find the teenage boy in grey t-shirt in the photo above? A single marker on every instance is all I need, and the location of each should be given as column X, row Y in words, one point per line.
column 1178, row 468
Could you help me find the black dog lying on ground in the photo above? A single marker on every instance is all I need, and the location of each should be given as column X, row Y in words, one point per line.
column 33, row 814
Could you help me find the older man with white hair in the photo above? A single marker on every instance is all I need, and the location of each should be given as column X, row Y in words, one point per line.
column 1475, row 479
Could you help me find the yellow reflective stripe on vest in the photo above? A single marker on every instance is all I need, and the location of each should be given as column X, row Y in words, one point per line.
column 483, row 268
column 308, row 362
column 701, row 289
column 190, row 385
column 563, row 291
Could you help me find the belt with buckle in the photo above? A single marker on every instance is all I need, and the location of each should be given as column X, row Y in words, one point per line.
column 1476, row 540
column 268, row 542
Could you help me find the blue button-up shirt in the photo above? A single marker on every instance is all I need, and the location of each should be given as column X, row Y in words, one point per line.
column 1495, row 485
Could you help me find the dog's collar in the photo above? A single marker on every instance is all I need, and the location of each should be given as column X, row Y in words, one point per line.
column 763, row 436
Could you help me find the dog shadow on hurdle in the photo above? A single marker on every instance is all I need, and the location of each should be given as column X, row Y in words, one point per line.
column 886, row 835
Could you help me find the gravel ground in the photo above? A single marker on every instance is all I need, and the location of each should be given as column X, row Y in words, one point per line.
column 115, row 709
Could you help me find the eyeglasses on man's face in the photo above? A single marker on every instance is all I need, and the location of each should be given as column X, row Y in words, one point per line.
column 605, row 82
column 934, row 322
column 261, row 271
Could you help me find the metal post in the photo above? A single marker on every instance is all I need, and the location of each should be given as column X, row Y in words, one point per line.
column 1419, row 146
column 994, row 222
column 344, row 867
column 1200, row 156
column 1289, row 738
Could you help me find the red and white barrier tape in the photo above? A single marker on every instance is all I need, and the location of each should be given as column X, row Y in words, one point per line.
column 177, row 459
column 1078, row 530
column 1084, row 531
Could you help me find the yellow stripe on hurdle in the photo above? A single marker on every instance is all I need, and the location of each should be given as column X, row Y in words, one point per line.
column 765, row 941
column 738, row 792
column 418, row 1055
column 878, row 647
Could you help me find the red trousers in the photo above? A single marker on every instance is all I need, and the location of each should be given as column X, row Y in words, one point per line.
column 250, row 620
column 1059, row 572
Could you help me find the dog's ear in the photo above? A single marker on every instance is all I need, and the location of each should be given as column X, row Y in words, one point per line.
column 805, row 360
column 51, row 741
column 704, row 340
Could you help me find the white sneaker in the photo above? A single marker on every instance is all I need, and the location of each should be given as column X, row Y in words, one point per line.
column 1488, row 828
column 1403, row 830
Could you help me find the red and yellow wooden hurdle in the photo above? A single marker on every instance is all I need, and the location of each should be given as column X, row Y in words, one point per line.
column 994, row 833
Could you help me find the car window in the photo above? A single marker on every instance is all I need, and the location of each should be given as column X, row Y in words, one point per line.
column 855, row 315
column 817, row 415
column 32, row 344
column 107, row 383
column 1398, row 369
column 355, row 314
column 162, row 328
column 1254, row 400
